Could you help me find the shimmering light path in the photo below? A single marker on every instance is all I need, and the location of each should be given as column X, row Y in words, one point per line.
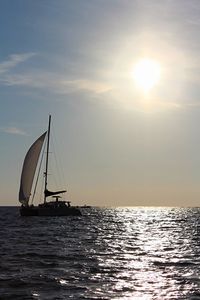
column 124, row 253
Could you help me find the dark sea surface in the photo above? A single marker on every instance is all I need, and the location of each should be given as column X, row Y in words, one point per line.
column 116, row 253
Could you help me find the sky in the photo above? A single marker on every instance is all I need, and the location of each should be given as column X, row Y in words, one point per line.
column 119, row 145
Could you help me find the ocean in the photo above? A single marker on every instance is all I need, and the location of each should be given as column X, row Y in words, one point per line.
column 108, row 253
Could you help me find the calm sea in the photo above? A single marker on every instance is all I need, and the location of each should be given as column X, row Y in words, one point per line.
column 116, row 253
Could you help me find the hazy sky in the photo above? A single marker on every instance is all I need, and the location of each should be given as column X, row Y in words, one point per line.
column 74, row 59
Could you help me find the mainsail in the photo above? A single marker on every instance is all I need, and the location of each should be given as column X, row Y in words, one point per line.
column 29, row 168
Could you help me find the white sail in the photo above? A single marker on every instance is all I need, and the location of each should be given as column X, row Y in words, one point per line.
column 29, row 168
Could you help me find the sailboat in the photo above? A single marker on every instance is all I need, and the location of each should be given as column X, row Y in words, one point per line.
column 55, row 207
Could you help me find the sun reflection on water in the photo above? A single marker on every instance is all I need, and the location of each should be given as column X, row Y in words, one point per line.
column 141, row 254
column 118, row 253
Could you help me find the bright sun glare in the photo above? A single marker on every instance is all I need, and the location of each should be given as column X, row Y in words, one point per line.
column 146, row 74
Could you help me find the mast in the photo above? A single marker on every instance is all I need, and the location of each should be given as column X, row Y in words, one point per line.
column 47, row 159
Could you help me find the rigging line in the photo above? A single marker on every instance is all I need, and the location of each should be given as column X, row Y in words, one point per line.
column 57, row 179
column 38, row 174
column 41, row 190
column 57, row 158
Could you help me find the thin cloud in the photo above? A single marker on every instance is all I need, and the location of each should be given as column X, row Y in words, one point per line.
column 13, row 130
column 55, row 83
column 41, row 79
column 13, row 61
column 96, row 87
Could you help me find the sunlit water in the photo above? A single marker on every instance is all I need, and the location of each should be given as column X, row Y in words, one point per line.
column 123, row 253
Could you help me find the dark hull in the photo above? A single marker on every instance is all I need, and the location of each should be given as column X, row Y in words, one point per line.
column 28, row 211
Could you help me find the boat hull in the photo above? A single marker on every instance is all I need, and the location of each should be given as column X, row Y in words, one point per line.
column 49, row 211
column 28, row 211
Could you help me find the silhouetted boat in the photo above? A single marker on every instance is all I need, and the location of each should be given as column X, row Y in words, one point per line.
column 55, row 207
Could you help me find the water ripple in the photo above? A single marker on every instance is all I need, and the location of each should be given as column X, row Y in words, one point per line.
column 116, row 253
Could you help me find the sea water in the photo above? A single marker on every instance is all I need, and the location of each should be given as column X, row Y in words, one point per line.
column 108, row 253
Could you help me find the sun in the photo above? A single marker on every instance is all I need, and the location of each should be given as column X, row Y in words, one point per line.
column 146, row 74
